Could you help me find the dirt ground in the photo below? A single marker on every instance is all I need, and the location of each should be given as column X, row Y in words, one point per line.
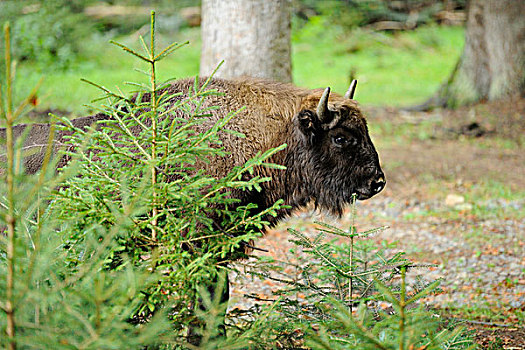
column 462, row 150
column 460, row 145
column 477, row 244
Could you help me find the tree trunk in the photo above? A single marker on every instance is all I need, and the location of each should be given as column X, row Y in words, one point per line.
column 252, row 37
column 492, row 65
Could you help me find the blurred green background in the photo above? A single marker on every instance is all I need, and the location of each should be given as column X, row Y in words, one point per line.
column 399, row 58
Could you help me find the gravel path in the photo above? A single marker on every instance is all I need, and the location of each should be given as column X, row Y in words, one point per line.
column 480, row 261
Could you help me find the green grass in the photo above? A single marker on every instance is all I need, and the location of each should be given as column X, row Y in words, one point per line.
column 393, row 69
column 486, row 312
column 389, row 134
column 489, row 199
column 109, row 66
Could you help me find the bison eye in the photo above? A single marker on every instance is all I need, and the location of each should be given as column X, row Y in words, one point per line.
column 341, row 140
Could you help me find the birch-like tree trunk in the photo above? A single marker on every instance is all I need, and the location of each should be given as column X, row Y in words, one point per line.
column 251, row 36
column 493, row 62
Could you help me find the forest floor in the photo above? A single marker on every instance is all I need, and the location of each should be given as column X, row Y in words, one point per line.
column 454, row 198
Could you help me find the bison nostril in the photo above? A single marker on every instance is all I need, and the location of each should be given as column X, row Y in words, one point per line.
column 378, row 185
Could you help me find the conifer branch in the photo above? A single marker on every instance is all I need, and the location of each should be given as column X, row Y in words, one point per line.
column 10, row 217
column 154, row 117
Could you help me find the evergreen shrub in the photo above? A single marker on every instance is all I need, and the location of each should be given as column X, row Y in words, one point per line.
column 118, row 249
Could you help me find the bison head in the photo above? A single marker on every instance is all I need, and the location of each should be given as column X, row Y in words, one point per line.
column 339, row 159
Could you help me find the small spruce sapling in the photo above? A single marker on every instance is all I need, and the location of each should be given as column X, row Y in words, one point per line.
column 45, row 302
column 353, row 294
column 186, row 226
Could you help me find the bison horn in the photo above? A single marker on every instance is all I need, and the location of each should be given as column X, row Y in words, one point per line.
column 351, row 90
column 322, row 108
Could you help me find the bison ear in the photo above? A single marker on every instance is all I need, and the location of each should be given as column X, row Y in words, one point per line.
column 308, row 122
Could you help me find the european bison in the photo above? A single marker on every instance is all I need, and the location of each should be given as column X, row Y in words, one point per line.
column 329, row 156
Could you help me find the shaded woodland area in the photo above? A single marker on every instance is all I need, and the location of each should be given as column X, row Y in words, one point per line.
column 90, row 260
